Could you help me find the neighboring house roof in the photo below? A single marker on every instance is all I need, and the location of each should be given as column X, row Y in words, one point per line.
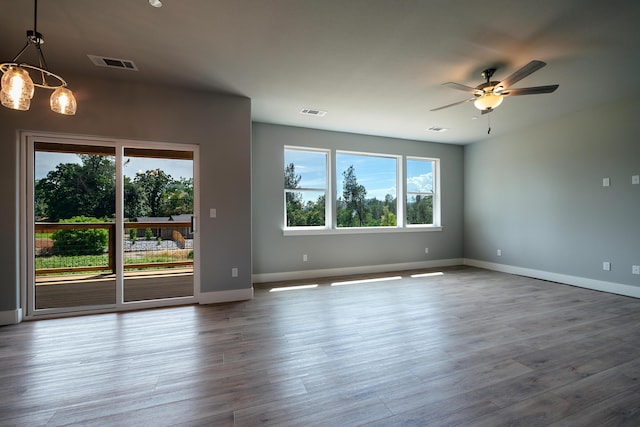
column 177, row 218
column 153, row 219
column 181, row 217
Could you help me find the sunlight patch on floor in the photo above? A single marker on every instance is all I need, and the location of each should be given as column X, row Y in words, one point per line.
column 437, row 273
column 355, row 282
column 292, row 288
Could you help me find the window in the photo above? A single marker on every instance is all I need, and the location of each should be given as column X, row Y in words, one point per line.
column 363, row 193
column 420, row 191
column 305, row 187
column 366, row 189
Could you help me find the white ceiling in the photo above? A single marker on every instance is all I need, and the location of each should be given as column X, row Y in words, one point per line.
column 376, row 66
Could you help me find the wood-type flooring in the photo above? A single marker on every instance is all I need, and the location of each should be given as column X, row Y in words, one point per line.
column 457, row 346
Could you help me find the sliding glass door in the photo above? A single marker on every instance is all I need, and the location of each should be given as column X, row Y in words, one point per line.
column 158, row 226
column 110, row 224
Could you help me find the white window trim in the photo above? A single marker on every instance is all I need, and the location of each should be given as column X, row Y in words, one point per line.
column 435, row 193
column 328, row 200
column 330, row 227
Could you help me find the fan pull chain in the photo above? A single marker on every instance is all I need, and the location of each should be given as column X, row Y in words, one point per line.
column 489, row 124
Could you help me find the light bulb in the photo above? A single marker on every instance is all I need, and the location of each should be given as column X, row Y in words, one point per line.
column 14, row 103
column 62, row 101
column 17, row 88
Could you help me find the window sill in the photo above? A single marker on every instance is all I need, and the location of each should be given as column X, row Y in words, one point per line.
column 312, row 231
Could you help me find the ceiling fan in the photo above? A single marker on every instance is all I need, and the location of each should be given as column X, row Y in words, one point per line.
column 487, row 96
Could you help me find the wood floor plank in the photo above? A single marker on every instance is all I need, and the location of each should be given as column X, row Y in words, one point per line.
column 461, row 346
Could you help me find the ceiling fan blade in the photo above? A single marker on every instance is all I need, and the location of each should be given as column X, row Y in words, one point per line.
column 522, row 73
column 454, row 104
column 530, row 90
column 461, row 87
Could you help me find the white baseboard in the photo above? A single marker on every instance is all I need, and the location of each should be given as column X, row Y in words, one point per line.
column 582, row 282
column 225, row 296
column 345, row 271
column 10, row 317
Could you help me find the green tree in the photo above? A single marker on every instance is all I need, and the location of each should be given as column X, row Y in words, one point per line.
column 152, row 186
column 420, row 211
column 73, row 189
column 388, row 219
column 295, row 215
column 354, row 196
column 134, row 203
column 178, row 197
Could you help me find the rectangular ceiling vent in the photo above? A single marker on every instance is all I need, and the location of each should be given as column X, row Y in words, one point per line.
column 313, row 112
column 123, row 64
column 437, row 129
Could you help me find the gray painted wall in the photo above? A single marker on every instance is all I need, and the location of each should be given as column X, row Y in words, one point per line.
column 538, row 195
column 220, row 125
column 275, row 253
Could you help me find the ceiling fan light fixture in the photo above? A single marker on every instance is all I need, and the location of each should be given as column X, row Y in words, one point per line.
column 488, row 101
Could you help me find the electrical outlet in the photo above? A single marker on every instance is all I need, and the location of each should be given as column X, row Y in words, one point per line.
column 606, row 182
column 212, row 213
column 635, row 269
column 499, row 252
column 305, row 258
column 606, row 266
column 635, row 179
column 426, row 250
column 234, row 272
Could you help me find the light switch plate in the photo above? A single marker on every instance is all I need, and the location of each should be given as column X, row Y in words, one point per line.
column 606, row 182
column 635, row 179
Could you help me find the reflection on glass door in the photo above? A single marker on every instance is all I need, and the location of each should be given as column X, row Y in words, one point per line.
column 158, row 224
column 73, row 226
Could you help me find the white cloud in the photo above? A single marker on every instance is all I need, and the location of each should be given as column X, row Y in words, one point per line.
column 420, row 183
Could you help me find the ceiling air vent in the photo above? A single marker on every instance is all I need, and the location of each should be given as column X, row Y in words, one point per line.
column 313, row 112
column 437, row 129
column 123, row 64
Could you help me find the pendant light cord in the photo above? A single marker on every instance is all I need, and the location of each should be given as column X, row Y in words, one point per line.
column 35, row 17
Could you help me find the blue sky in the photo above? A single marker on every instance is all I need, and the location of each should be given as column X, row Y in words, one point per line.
column 46, row 162
column 377, row 174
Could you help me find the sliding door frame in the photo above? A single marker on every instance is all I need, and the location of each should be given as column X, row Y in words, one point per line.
column 26, row 246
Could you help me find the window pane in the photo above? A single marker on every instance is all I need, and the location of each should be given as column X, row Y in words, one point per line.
column 305, row 208
column 305, row 169
column 419, row 176
column 366, row 190
column 419, row 209
column 306, row 172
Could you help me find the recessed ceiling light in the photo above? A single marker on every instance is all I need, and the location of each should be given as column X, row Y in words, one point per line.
column 155, row 3
column 437, row 129
column 313, row 112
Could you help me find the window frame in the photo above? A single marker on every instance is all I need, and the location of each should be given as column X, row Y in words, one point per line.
column 327, row 190
column 435, row 191
column 398, row 185
column 331, row 197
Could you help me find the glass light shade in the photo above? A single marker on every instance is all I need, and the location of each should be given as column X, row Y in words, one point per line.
column 17, row 88
column 488, row 100
column 8, row 101
column 62, row 101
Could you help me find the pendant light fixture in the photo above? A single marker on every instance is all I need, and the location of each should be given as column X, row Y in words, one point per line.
column 17, row 82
